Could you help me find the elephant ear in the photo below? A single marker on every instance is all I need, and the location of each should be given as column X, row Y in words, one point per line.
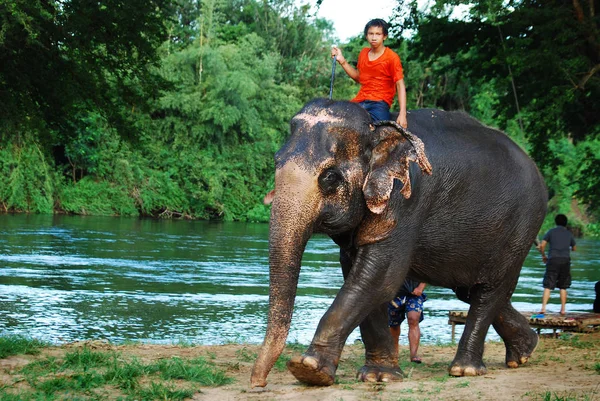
column 393, row 150
column 268, row 199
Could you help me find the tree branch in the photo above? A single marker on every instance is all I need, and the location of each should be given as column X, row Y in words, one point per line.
column 587, row 76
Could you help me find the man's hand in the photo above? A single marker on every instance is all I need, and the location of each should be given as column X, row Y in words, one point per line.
column 418, row 291
column 402, row 121
column 336, row 52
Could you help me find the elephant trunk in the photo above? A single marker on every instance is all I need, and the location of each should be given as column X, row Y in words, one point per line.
column 292, row 218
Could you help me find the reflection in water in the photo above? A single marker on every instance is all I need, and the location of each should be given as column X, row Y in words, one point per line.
column 65, row 278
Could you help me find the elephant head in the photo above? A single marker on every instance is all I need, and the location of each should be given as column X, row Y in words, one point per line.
column 334, row 175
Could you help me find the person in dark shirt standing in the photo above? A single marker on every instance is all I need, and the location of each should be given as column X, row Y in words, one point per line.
column 558, row 262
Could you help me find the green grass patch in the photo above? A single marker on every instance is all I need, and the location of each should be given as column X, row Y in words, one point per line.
column 159, row 391
column 85, row 358
column 563, row 396
column 281, row 363
column 195, row 370
column 77, row 382
column 41, row 367
column 245, row 355
column 85, row 374
column 123, row 374
column 18, row 345
column 575, row 341
column 441, row 379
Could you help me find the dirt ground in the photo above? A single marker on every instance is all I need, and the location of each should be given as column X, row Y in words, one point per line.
column 564, row 368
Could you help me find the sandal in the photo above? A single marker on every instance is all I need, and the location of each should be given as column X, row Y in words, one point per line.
column 415, row 359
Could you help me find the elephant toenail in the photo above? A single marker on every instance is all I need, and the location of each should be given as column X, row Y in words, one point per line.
column 470, row 371
column 311, row 362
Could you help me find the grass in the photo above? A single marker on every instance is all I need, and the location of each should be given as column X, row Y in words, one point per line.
column 245, row 355
column 575, row 341
column 159, row 391
column 86, row 374
column 281, row 363
column 19, row 345
column 563, row 396
column 196, row 370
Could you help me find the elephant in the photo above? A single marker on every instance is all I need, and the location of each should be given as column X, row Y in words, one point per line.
column 452, row 203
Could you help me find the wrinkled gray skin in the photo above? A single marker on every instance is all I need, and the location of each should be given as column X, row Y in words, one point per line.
column 463, row 216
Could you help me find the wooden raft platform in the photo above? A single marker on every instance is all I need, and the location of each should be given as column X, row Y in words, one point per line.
column 580, row 322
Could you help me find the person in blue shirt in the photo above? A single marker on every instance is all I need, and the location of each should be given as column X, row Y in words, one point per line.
column 558, row 262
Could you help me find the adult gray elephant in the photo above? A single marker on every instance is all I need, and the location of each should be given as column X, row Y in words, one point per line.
column 467, row 224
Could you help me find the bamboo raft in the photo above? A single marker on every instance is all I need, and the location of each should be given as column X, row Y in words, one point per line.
column 579, row 322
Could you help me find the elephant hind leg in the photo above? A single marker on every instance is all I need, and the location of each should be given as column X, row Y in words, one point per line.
column 486, row 302
column 520, row 340
column 469, row 356
column 381, row 359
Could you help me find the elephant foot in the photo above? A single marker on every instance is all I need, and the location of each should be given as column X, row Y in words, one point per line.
column 308, row 370
column 458, row 369
column 374, row 374
column 519, row 352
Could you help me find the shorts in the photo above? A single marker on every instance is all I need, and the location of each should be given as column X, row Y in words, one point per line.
column 378, row 110
column 399, row 307
column 558, row 274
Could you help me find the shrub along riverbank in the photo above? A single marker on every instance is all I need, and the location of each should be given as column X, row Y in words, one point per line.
column 177, row 110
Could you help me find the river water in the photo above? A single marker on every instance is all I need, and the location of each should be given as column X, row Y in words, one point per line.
column 69, row 278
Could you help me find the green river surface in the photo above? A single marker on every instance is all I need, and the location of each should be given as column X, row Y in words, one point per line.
column 70, row 278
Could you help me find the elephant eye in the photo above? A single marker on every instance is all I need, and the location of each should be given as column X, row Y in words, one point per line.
column 329, row 179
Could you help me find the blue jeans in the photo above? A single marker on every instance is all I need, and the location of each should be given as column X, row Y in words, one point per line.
column 378, row 110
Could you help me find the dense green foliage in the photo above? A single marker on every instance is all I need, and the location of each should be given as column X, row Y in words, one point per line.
column 174, row 108
column 163, row 109
column 527, row 67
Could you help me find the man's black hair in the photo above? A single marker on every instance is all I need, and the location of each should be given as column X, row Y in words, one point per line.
column 561, row 220
column 379, row 23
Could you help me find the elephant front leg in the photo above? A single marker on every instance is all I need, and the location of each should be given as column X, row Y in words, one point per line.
column 317, row 366
column 353, row 306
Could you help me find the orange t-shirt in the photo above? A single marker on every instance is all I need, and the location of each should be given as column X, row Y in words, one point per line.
column 378, row 78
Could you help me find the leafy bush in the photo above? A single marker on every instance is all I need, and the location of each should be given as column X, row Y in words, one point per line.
column 97, row 198
column 26, row 179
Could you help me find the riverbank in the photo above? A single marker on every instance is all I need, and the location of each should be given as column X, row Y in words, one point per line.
column 563, row 368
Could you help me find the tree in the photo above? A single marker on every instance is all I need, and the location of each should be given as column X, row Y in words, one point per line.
column 59, row 58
